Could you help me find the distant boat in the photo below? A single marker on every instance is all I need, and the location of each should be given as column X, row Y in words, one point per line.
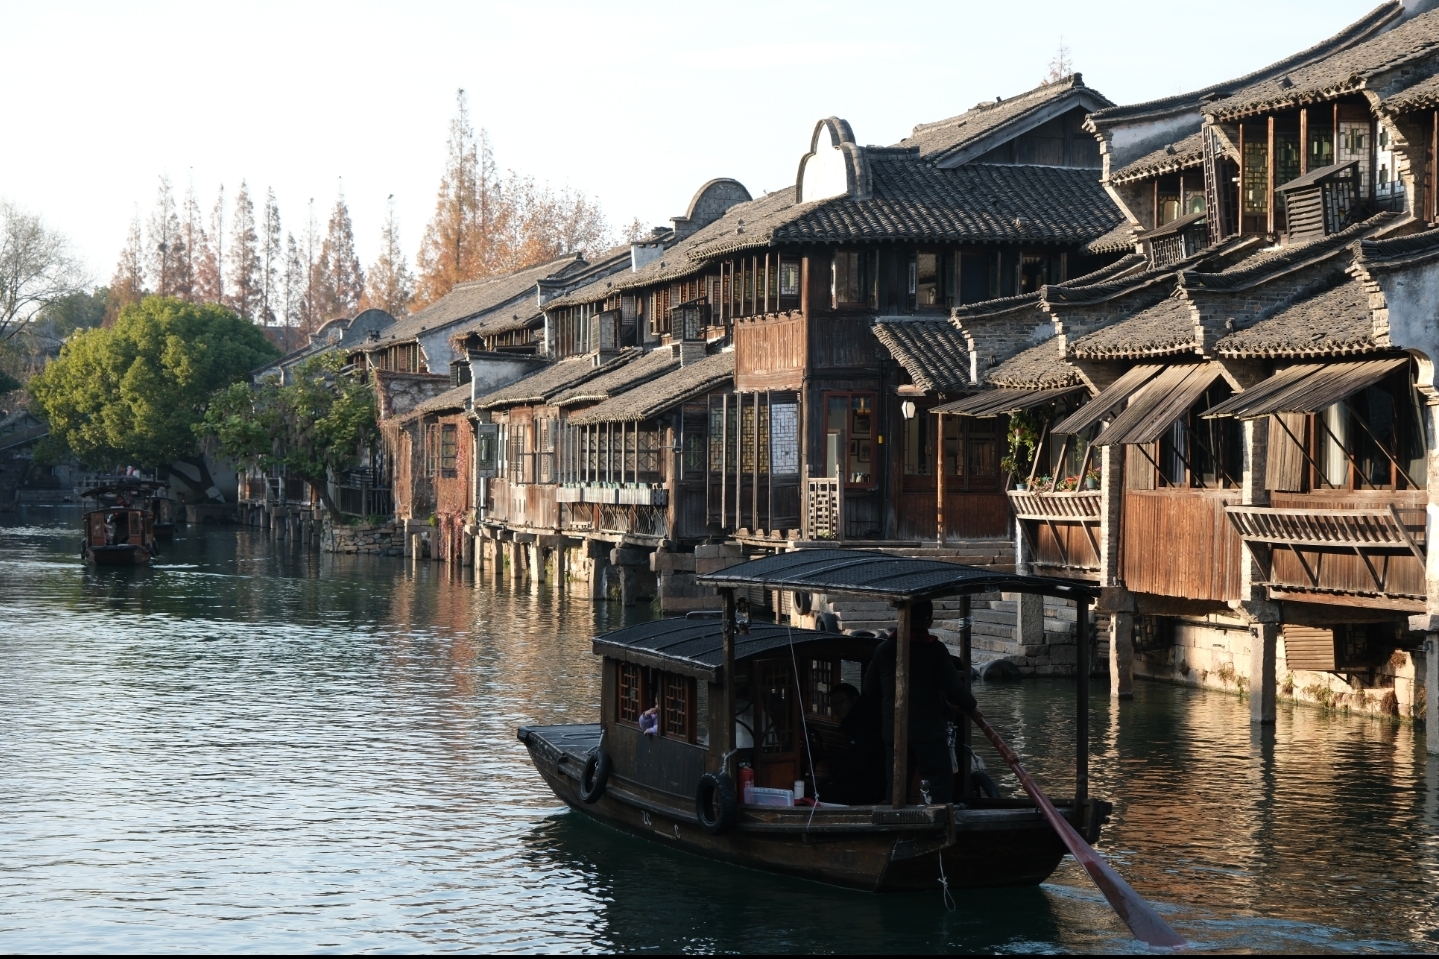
column 749, row 704
column 119, row 528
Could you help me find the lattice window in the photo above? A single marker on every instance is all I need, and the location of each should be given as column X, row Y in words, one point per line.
column 823, row 678
column 784, row 437
column 631, row 692
column 449, row 446
column 678, row 701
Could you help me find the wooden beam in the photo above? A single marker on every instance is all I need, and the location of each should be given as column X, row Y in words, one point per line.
column 1303, row 141
column 1269, row 176
column 938, row 477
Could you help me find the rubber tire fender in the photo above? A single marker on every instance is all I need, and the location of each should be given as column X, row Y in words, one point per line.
column 595, row 777
column 983, row 784
column 716, row 805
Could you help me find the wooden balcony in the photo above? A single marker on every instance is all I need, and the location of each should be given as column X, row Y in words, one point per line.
column 1376, row 555
column 1061, row 529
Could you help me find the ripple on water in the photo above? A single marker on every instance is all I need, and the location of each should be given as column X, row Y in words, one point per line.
column 249, row 747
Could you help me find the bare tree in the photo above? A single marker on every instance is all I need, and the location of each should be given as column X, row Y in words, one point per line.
column 271, row 256
column 1061, row 66
column 167, row 253
column 388, row 284
column 244, row 259
column 37, row 267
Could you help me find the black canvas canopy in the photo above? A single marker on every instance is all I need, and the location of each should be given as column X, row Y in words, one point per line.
column 899, row 579
column 695, row 647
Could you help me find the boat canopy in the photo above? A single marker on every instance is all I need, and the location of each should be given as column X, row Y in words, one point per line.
column 899, row 579
column 695, row 647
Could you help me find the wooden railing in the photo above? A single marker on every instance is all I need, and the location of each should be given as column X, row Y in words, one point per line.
column 1081, row 506
column 1059, row 528
column 1379, row 552
column 824, row 508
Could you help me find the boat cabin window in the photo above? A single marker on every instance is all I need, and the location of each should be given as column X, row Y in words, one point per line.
column 823, row 678
column 776, row 693
column 639, row 688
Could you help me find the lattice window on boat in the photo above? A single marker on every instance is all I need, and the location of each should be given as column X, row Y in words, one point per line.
column 776, row 689
column 630, row 686
column 678, row 701
column 823, row 678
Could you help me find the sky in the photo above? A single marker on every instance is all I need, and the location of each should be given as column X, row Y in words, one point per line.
column 636, row 104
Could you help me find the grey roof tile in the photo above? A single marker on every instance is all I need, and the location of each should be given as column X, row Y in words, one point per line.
column 655, row 363
column 1335, row 322
column 544, row 385
column 932, row 351
column 1180, row 155
column 656, row 396
column 1039, row 367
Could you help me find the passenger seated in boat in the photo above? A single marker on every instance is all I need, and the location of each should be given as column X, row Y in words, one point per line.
column 650, row 721
column 933, row 680
column 857, row 768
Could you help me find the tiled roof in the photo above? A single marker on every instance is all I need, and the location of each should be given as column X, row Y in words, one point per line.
column 1272, row 262
column 665, row 393
column 676, row 263
column 1186, row 153
column 1366, row 26
column 942, row 139
column 468, row 300
column 1336, row 322
column 1399, row 249
column 1039, row 367
column 1413, row 43
column 655, row 363
column 541, row 386
column 913, row 201
column 1163, row 329
column 1423, row 95
column 1121, row 239
column 932, row 351
column 452, row 399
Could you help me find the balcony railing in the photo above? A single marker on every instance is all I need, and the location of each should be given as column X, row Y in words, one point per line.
column 1081, row 506
column 1363, row 551
column 823, row 508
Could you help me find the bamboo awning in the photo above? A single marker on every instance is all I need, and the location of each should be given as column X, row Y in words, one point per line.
column 1308, row 388
column 1162, row 401
column 1108, row 399
column 1004, row 402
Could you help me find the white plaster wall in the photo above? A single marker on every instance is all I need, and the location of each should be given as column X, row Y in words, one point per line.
column 825, row 173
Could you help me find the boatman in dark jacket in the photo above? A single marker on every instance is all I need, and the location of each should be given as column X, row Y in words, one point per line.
column 933, row 681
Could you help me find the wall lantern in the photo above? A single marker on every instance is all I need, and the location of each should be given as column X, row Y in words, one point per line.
column 907, row 408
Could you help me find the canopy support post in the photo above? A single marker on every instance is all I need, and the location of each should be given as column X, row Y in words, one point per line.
column 1081, row 719
column 966, row 726
column 899, row 783
column 727, row 631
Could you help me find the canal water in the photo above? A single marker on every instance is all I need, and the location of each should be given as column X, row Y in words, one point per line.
column 251, row 747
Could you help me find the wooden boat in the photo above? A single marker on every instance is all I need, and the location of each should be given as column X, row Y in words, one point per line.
column 119, row 529
column 760, row 695
column 163, row 509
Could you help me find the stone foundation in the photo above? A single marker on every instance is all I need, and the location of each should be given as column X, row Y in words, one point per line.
column 380, row 540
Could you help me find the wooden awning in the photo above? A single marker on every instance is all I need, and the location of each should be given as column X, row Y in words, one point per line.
column 1307, row 388
column 1004, row 402
column 1108, row 399
column 1162, row 401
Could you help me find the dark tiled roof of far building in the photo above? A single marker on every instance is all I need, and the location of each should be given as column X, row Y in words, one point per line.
column 932, row 351
column 1181, row 155
column 913, row 201
column 942, row 139
column 1335, row 322
column 1039, row 367
column 542, row 386
column 1395, row 59
column 451, row 399
column 655, row 397
column 467, row 301
column 1164, row 329
column 656, row 362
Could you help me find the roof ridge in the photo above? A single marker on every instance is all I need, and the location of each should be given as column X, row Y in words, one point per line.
column 1285, row 260
column 1073, row 81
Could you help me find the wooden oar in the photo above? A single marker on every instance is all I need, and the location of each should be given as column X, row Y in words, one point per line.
column 1137, row 914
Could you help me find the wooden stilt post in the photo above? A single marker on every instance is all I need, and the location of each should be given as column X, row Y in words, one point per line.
column 900, row 781
column 1081, row 710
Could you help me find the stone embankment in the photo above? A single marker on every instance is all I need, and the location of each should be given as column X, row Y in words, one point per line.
column 381, row 539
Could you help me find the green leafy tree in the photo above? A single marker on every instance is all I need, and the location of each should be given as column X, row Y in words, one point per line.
column 311, row 427
column 133, row 392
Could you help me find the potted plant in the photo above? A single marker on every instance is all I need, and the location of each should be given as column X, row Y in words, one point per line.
column 1023, row 437
column 1091, row 478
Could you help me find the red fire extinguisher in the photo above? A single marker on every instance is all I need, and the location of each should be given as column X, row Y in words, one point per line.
column 746, row 784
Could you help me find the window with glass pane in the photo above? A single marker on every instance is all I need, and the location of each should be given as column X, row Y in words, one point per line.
column 784, row 437
column 823, row 678
column 861, row 440
column 449, row 442
column 789, row 279
column 676, row 706
column 1256, row 178
column 628, row 706
column 852, row 281
column 776, row 693
column 929, row 280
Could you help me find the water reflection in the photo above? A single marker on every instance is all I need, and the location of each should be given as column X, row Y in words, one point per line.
column 250, row 746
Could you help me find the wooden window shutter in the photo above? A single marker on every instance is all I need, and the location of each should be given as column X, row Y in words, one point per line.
column 1306, row 647
column 1284, row 466
column 1138, row 470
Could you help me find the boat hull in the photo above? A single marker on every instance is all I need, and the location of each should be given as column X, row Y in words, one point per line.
column 126, row 555
column 871, row 848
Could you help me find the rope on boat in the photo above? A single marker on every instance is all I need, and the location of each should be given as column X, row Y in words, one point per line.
column 803, row 724
column 944, row 881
